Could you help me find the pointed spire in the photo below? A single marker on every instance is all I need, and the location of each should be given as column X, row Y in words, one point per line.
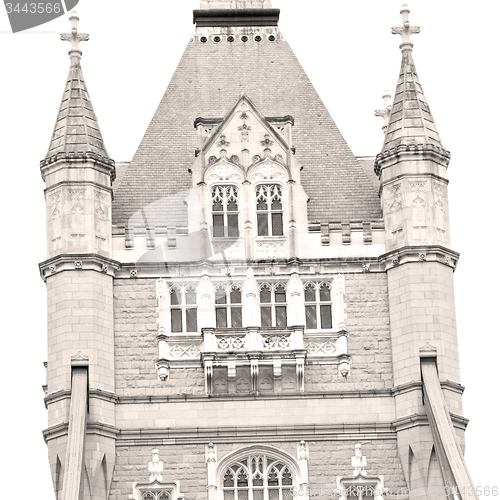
column 410, row 121
column 76, row 130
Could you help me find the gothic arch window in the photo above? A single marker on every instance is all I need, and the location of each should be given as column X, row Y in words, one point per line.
column 161, row 495
column 318, row 305
column 183, row 309
column 225, row 208
column 272, row 304
column 258, row 477
column 228, row 306
column 269, row 206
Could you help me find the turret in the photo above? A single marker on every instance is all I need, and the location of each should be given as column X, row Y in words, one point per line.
column 78, row 174
column 420, row 263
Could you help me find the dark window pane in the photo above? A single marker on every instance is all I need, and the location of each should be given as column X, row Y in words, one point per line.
column 235, row 296
column 276, row 204
column 258, row 481
column 221, row 317
column 232, row 206
column 280, row 315
column 190, row 296
column 326, row 316
column 217, row 206
column 242, row 479
column 274, row 494
column 242, row 494
column 191, row 320
column 175, row 297
column 311, row 321
column 272, row 479
column 280, row 294
column 258, row 494
column 220, row 296
column 265, row 295
column 236, row 317
column 176, row 316
column 287, row 493
column 277, row 224
column 265, row 316
column 218, row 223
column 232, row 225
column 262, row 225
column 286, row 478
column 228, row 494
column 324, row 294
column 309, row 294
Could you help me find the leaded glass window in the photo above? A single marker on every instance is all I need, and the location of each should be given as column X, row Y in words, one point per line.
column 228, row 306
column 225, row 207
column 272, row 304
column 258, row 477
column 183, row 309
column 318, row 304
column 269, row 206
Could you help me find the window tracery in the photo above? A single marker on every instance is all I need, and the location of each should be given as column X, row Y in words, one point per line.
column 269, row 206
column 257, row 477
column 318, row 305
column 225, row 208
column 228, row 306
column 183, row 309
column 273, row 304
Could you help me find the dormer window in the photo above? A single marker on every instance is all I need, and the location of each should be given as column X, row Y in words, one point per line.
column 269, row 200
column 225, row 212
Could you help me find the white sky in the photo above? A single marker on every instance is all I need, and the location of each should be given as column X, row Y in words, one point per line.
column 350, row 56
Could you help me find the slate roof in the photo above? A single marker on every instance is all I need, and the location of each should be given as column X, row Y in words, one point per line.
column 76, row 129
column 411, row 121
column 208, row 80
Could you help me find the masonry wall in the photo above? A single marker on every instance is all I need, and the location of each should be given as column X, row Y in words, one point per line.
column 186, row 463
column 369, row 342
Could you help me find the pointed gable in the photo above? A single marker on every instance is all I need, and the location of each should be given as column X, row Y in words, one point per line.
column 213, row 72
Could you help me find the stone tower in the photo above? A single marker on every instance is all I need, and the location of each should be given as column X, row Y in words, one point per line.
column 245, row 311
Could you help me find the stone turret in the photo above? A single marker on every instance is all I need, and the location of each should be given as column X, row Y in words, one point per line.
column 78, row 174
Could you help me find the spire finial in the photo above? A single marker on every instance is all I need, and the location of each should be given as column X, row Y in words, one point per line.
column 406, row 30
column 386, row 112
column 75, row 38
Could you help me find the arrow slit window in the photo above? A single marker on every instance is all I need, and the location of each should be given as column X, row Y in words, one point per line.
column 269, row 200
column 225, row 212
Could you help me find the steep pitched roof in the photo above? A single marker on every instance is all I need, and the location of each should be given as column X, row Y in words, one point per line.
column 76, row 129
column 411, row 121
column 208, row 80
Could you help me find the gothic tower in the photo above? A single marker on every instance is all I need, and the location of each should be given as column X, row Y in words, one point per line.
column 245, row 311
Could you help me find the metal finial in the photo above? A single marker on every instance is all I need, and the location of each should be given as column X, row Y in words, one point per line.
column 386, row 112
column 406, row 30
column 75, row 38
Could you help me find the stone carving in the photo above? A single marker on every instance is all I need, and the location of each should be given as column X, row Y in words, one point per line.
column 422, row 257
column 210, row 453
column 78, row 264
column 244, row 129
column 99, row 200
column 271, row 250
column 418, row 202
column 303, row 451
column 394, row 203
column 268, row 171
column 242, row 385
column 223, row 142
column 104, row 268
column 52, row 269
column 276, row 341
column 366, row 268
column 224, row 172
column 55, row 200
column 179, row 351
column 235, row 343
column 321, row 348
column 77, row 206
column 438, row 195
column 133, row 273
column 267, row 141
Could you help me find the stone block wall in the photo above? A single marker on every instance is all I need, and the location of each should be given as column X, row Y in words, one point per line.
column 186, row 463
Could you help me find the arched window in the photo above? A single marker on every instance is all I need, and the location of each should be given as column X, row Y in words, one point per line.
column 272, row 304
column 257, row 477
column 318, row 304
column 183, row 310
column 228, row 307
column 225, row 212
column 269, row 201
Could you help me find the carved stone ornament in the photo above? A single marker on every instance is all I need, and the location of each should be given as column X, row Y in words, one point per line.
column 78, row 264
column 268, row 171
column 52, row 268
column 104, row 268
column 178, row 351
column 224, row 172
column 395, row 261
column 366, row 268
column 133, row 273
column 422, row 257
column 327, row 348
